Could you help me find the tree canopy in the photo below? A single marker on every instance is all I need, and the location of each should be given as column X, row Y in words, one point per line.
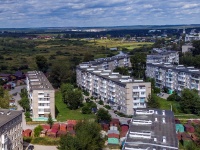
column 138, row 62
column 153, row 101
column 4, row 98
column 41, row 62
column 88, row 137
column 121, row 70
column 103, row 115
column 190, row 101
column 72, row 97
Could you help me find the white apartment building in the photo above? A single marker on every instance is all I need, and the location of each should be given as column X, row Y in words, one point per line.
column 11, row 130
column 164, row 57
column 120, row 60
column 192, row 37
column 41, row 95
column 174, row 77
column 120, row 92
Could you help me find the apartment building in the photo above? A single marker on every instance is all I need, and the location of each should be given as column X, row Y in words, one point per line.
column 192, row 37
column 120, row 60
column 41, row 95
column 11, row 130
column 122, row 93
column 174, row 77
column 164, row 57
column 152, row 129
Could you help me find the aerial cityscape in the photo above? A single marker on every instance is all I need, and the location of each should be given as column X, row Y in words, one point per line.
column 100, row 75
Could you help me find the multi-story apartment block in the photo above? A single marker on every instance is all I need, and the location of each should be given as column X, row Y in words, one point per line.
column 41, row 95
column 164, row 57
column 151, row 129
column 11, row 130
column 121, row 60
column 192, row 37
column 174, row 77
column 120, row 92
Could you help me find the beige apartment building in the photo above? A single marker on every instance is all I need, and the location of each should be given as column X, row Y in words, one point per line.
column 41, row 95
column 122, row 93
column 11, row 130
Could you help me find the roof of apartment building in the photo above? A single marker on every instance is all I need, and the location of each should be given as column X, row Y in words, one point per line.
column 107, row 59
column 178, row 68
column 38, row 81
column 7, row 115
column 109, row 75
column 152, row 129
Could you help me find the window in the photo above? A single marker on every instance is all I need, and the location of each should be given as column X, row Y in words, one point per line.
column 135, row 87
column 142, row 93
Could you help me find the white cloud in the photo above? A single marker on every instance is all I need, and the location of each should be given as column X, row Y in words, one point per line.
column 37, row 13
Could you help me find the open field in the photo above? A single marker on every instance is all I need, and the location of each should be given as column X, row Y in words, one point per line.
column 65, row 113
column 118, row 43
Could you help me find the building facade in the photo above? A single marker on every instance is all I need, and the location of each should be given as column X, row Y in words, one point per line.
column 164, row 57
column 121, row 92
column 174, row 77
column 11, row 130
column 151, row 129
column 187, row 48
column 41, row 95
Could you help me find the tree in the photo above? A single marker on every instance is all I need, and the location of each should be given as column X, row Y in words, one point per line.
column 24, row 102
column 4, row 98
column 88, row 137
column 88, row 57
column 153, row 101
column 65, row 91
column 42, row 64
column 138, row 62
column 50, row 120
column 37, row 130
column 86, row 110
column 174, row 97
column 190, row 101
column 72, row 97
column 61, row 73
column 121, row 70
column 103, row 115
column 196, row 45
column 75, row 99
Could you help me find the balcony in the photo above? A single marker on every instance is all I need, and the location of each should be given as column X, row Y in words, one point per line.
column 195, row 78
column 135, row 95
column 112, row 90
column 181, row 79
column 169, row 81
column 111, row 85
column 182, row 75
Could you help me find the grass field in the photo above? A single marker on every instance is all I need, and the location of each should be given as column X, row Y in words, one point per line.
column 119, row 43
column 65, row 113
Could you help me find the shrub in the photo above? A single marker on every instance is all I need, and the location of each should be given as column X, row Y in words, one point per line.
column 37, row 130
column 27, row 114
column 107, row 106
column 100, row 102
column 86, row 110
column 27, row 139
column 28, row 119
column 87, row 100
column 45, row 141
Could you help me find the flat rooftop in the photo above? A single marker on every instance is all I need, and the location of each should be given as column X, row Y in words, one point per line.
column 152, row 129
column 7, row 115
column 109, row 75
column 177, row 68
column 38, row 81
column 107, row 59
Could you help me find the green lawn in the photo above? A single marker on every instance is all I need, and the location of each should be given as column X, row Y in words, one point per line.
column 166, row 105
column 64, row 113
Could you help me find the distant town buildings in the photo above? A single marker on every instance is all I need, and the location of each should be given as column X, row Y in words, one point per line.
column 122, row 93
column 41, row 95
column 152, row 129
column 11, row 130
column 163, row 56
column 174, row 77
column 193, row 35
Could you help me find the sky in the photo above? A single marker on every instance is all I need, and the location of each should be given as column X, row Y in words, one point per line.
column 91, row 13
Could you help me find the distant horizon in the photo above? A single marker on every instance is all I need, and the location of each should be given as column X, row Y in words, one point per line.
column 98, row 13
column 186, row 25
